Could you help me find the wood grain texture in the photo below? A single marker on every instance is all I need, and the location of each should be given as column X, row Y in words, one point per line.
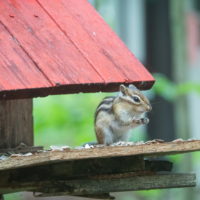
column 85, row 40
column 133, row 183
column 22, row 148
column 103, row 185
column 97, row 32
column 155, row 149
column 17, row 70
column 74, row 170
column 84, row 169
column 16, row 123
column 55, row 47
column 53, row 175
column 46, row 44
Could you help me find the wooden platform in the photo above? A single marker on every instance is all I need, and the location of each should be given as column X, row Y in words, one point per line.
column 96, row 171
column 148, row 149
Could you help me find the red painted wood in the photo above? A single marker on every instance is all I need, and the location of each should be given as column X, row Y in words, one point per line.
column 53, row 52
column 17, row 70
column 72, row 28
column 112, row 47
column 63, row 46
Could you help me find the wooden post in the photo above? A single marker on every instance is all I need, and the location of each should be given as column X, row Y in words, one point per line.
column 16, row 123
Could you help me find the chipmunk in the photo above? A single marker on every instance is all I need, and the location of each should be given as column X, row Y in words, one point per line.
column 116, row 115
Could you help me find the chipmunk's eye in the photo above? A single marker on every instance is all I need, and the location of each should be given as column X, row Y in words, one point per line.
column 136, row 99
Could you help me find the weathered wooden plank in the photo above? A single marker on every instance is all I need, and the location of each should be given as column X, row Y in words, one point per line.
column 57, row 48
column 158, row 181
column 149, row 149
column 16, row 123
column 55, row 54
column 98, row 185
column 73, row 170
column 83, row 169
column 21, row 148
column 88, row 46
column 93, row 196
column 17, row 70
column 111, row 46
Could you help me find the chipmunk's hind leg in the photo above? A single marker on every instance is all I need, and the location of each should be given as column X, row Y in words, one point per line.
column 104, row 135
column 108, row 139
column 123, row 138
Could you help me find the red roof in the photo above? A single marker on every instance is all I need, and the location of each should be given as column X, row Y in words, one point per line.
column 63, row 46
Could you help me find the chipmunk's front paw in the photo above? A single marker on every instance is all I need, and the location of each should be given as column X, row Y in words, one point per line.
column 145, row 120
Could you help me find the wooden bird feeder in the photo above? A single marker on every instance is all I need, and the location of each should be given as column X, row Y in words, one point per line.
column 59, row 47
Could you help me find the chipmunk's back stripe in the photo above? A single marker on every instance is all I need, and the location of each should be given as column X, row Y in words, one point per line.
column 102, row 109
column 105, row 105
column 109, row 98
column 106, row 101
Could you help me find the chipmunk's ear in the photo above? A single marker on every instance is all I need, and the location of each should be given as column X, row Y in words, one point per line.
column 123, row 89
column 132, row 87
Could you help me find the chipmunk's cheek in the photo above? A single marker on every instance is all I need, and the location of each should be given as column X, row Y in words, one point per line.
column 141, row 110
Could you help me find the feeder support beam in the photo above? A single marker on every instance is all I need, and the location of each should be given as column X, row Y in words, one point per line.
column 16, row 123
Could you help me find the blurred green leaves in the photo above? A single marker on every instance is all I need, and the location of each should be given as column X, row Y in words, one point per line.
column 65, row 119
column 170, row 91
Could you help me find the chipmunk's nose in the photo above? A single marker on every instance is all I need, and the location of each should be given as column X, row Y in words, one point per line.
column 149, row 108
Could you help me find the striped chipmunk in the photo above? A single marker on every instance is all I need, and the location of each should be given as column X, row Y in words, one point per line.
column 116, row 115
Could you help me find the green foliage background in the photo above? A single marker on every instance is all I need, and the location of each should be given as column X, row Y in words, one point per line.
column 65, row 119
